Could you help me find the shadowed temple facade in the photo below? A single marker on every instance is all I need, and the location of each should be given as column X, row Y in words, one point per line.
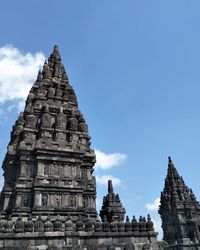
column 48, row 200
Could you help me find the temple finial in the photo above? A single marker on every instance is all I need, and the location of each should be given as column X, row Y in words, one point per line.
column 56, row 53
column 170, row 162
column 110, row 186
column 55, row 48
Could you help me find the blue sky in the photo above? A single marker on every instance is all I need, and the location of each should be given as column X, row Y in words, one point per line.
column 135, row 67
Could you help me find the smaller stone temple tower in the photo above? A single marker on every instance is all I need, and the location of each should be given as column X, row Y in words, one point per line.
column 112, row 207
column 180, row 212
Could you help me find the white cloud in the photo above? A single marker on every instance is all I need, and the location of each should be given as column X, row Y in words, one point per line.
column 103, row 180
column 157, row 227
column 18, row 71
column 106, row 161
column 153, row 206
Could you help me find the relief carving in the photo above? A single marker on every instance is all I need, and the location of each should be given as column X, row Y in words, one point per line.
column 25, row 200
column 31, row 121
column 44, row 199
column 58, row 200
column 73, row 123
column 72, row 201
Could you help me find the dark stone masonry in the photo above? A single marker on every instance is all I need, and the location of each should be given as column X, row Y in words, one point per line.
column 48, row 201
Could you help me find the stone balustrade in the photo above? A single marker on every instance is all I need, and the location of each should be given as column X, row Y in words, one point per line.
column 63, row 224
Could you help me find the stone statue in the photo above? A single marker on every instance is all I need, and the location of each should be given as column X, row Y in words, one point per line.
column 73, row 201
column 44, row 200
column 58, row 201
column 25, row 200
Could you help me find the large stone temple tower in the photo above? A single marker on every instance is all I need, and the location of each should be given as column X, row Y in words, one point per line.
column 180, row 212
column 48, row 201
column 49, row 163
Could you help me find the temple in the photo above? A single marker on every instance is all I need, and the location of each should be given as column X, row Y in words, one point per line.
column 48, row 200
column 180, row 212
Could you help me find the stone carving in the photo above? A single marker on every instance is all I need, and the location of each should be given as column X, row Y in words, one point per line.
column 149, row 224
column 41, row 92
column 58, row 92
column 113, row 225
column 29, row 225
column 135, row 225
column 48, row 225
column 2, row 223
column 121, row 226
column 98, row 225
column 83, row 126
column 51, row 92
column 80, row 225
column 89, row 225
column 19, row 225
column 61, row 120
column 58, row 200
column 69, row 226
column 72, row 201
column 46, row 72
column 31, row 121
column 44, row 199
column 105, row 225
column 73, row 123
column 46, row 119
column 26, row 200
column 8, row 226
column 128, row 226
column 58, row 224
column 39, row 225
column 56, row 169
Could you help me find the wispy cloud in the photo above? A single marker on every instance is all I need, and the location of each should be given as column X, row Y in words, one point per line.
column 157, row 227
column 18, row 71
column 103, row 180
column 106, row 161
column 153, row 206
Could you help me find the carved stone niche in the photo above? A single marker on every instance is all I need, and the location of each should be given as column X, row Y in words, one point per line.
column 27, row 170
column 45, row 199
column 72, row 200
column 73, row 123
column 46, row 120
column 26, row 200
column 31, row 121
column 61, row 120
column 58, row 200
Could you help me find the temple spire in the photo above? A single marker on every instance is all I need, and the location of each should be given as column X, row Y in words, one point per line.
column 112, row 207
column 110, row 187
column 170, row 160
column 51, row 124
column 178, row 203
